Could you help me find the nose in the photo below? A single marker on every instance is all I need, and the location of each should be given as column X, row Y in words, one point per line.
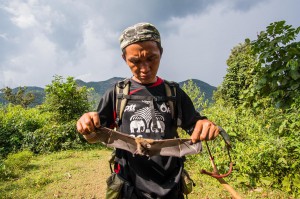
column 144, row 67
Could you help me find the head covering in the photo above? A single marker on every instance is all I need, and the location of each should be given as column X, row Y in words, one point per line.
column 139, row 32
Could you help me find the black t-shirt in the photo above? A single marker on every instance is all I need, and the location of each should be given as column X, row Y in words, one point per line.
column 157, row 175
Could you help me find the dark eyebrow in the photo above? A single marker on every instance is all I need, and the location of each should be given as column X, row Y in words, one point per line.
column 133, row 59
column 153, row 55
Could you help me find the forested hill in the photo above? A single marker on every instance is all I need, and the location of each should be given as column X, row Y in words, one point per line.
column 101, row 86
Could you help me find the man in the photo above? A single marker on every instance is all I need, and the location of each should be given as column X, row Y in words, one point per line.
column 158, row 176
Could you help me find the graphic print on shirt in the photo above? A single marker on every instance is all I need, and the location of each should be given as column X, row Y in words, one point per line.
column 141, row 122
column 164, row 108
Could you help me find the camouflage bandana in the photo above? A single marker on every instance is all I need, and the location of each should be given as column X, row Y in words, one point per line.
column 139, row 32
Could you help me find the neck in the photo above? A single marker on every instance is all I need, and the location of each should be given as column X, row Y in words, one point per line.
column 139, row 81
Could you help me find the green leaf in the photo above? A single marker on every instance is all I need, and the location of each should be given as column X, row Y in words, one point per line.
column 296, row 181
column 295, row 75
column 286, row 184
column 247, row 41
column 242, row 179
column 266, row 180
column 282, row 160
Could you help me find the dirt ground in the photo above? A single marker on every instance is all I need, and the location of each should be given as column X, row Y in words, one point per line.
column 85, row 178
column 83, row 174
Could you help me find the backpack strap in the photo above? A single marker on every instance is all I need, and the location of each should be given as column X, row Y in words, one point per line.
column 122, row 89
column 174, row 101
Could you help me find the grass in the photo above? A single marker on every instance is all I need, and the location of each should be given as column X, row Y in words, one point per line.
column 82, row 174
column 67, row 174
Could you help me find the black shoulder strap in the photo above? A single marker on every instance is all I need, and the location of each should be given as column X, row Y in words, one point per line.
column 122, row 89
column 174, row 101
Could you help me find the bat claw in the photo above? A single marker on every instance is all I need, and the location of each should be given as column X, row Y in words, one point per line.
column 143, row 146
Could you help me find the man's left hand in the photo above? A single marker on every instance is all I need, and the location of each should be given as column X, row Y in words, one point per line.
column 204, row 130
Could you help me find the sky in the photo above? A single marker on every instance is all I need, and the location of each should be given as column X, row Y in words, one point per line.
column 40, row 38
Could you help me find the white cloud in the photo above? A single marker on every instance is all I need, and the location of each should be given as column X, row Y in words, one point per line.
column 33, row 65
column 203, row 41
column 22, row 14
column 40, row 38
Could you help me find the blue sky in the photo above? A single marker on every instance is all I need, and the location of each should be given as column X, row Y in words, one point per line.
column 40, row 38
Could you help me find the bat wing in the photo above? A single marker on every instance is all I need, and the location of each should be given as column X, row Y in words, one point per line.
column 174, row 147
column 117, row 139
column 168, row 147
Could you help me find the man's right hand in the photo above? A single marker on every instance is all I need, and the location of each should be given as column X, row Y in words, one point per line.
column 88, row 122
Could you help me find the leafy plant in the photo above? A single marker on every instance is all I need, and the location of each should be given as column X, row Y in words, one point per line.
column 197, row 97
column 53, row 137
column 66, row 99
column 279, row 58
column 15, row 123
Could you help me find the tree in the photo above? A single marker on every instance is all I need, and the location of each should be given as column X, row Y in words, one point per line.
column 193, row 91
column 19, row 98
column 237, row 86
column 66, row 99
column 279, row 58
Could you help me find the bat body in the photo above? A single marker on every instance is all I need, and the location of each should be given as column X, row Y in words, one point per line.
column 149, row 147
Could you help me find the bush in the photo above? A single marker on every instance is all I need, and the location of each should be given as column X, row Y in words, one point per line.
column 35, row 130
column 265, row 145
column 53, row 137
column 15, row 123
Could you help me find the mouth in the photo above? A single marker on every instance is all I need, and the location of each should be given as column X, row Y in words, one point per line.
column 145, row 76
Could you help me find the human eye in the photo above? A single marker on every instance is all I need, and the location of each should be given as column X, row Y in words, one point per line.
column 134, row 61
column 152, row 58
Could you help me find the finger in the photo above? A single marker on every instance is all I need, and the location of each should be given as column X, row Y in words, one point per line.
column 205, row 131
column 211, row 134
column 96, row 120
column 196, row 133
column 195, row 137
column 88, row 124
column 80, row 129
column 217, row 131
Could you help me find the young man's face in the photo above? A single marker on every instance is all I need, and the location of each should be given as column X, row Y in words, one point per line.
column 143, row 59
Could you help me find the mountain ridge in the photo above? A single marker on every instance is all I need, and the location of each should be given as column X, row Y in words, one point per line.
column 101, row 86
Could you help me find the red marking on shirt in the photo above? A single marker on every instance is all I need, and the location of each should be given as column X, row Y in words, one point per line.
column 158, row 82
column 134, row 91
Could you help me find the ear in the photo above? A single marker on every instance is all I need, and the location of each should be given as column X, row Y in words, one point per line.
column 124, row 57
column 161, row 51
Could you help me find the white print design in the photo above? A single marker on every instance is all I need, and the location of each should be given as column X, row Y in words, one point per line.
column 160, row 127
column 141, row 122
column 146, row 101
column 137, row 125
column 130, row 108
column 164, row 108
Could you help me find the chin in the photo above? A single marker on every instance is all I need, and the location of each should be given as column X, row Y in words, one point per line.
column 145, row 80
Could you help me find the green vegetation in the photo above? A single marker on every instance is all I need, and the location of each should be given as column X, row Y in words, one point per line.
column 257, row 104
column 46, row 128
column 261, row 117
column 66, row 99
column 18, row 98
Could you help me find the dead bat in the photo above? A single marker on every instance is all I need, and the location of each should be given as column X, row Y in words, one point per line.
column 149, row 147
